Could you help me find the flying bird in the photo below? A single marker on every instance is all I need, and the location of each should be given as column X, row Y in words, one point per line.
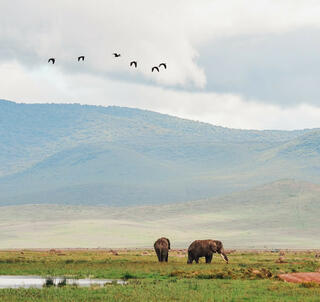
column 116, row 55
column 154, row 68
column 164, row 65
column 81, row 58
column 134, row 63
column 53, row 60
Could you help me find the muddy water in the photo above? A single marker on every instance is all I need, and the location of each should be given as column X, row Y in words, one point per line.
column 39, row 282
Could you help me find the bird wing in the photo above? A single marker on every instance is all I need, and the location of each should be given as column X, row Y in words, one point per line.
column 51, row 60
column 164, row 65
column 155, row 68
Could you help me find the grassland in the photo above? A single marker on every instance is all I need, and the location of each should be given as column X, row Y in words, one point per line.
column 282, row 214
column 89, row 155
column 250, row 276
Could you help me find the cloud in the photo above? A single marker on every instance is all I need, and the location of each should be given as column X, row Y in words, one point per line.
column 281, row 69
column 65, row 29
column 145, row 30
column 230, row 110
column 229, row 62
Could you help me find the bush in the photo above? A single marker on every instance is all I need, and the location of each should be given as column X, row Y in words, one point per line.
column 49, row 282
column 63, row 282
column 127, row 276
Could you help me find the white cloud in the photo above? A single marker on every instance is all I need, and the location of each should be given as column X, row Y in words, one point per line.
column 139, row 30
column 150, row 32
column 219, row 109
column 147, row 30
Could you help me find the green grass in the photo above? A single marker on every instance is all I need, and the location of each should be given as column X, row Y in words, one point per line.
column 172, row 290
column 250, row 276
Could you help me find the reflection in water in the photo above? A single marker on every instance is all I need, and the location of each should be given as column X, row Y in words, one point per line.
column 39, row 282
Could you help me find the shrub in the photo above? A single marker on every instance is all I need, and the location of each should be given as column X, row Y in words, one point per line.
column 63, row 282
column 49, row 282
column 127, row 276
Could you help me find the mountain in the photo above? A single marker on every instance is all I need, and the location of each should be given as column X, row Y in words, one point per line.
column 281, row 214
column 93, row 155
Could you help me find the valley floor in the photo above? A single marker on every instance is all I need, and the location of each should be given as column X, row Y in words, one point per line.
column 250, row 276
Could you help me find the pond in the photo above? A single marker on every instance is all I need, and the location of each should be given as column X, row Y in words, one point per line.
column 39, row 282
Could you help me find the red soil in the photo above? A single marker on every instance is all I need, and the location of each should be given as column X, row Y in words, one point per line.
column 301, row 277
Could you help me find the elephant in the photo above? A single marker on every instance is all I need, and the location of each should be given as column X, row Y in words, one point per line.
column 205, row 248
column 162, row 247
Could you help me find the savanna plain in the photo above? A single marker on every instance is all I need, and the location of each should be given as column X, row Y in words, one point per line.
column 250, row 275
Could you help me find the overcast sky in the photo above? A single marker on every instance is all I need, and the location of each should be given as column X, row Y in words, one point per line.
column 235, row 63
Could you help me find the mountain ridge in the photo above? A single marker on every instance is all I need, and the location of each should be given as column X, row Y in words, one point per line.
column 123, row 156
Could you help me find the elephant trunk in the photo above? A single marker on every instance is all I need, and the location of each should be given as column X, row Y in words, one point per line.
column 224, row 255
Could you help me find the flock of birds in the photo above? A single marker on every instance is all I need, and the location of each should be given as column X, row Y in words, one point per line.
column 117, row 55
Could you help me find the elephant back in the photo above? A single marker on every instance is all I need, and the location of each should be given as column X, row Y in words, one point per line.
column 162, row 243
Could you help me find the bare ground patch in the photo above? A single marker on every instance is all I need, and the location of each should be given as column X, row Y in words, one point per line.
column 301, row 277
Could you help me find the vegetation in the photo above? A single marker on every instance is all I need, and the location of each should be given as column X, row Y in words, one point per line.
column 121, row 156
column 289, row 219
column 250, row 276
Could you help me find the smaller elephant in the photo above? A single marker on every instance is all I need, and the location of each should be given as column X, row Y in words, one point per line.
column 205, row 248
column 162, row 247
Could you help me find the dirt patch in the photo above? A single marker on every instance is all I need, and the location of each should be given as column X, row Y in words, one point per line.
column 145, row 254
column 251, row 273
column 281, row 260
column 301, row 277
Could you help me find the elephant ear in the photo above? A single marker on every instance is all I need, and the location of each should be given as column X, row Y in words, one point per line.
column 213, row 246
column 168, row 244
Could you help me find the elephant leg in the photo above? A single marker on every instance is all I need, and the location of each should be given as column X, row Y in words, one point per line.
column 166, row 259
column 197, row 259
column 158, row 255
column 163, row 255
column 190, row 258
column 208, row 258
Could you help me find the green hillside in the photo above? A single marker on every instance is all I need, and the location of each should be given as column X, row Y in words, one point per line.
column 91, row 155
column 282, row 214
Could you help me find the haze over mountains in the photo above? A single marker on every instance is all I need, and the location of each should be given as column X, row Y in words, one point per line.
column 282, row 214
column 89, row 155
column 88, row 176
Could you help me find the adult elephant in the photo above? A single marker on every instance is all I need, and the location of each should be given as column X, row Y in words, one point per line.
column 162, row 247
column 205, row 248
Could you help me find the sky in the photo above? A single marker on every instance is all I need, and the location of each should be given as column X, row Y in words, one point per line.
column 234, row 63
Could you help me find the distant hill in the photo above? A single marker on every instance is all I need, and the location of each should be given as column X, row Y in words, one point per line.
column 282, row 214
column 91, row 155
